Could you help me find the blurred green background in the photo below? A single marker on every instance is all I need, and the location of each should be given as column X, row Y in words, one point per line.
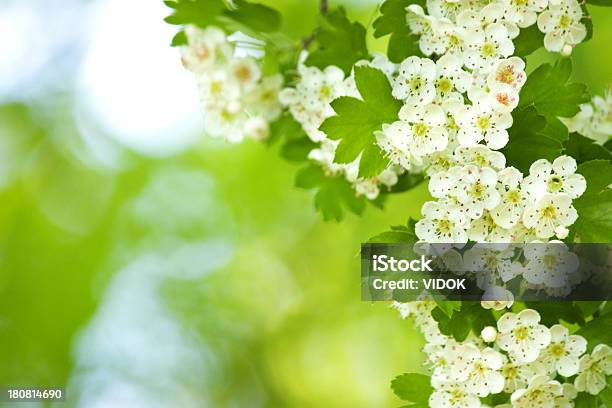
column 144, row 265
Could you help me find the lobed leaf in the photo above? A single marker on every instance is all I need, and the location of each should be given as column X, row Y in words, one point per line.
column 356, row 121
column 413, row 387
column 594, row 208
column 339, row 42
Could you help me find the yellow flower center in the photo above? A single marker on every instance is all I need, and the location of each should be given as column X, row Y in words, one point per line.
column 325, row 92
column 549, row 212
column 443, row 227
column 521, row 333
column 420, row 129
column 415, row 83
column 483, row 122
column 514, row 196
column 444, row 85
column 557, row 350
column 488, row 49
column 555, row 184
column 565, row 21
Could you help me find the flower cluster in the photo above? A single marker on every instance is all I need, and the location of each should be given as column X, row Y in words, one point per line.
column 594, row 119
column 309, row 102
column 537, row 365
column 483, row 201
column 238, row 100
column 480, row 33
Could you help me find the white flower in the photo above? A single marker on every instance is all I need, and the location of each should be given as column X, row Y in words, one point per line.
column 488, row 334
column 218, row 87
column 257, row 128
column 440, row 225
column 484, row 54
column 566, row 399
column 394, row 140
column 558, row 177
column 225, row 120
column 497, row 298
column 415, row 83
column 522, row 336
column 561, row 25
column 475, row 188
column 483, row 122
column 309, row 102
column 548, row 213
column 453, row 395
column 541, row 392
column 426, row 133
column 246, row 72
column 513, row 200
column 517, row 376
column 593, row 370
column 206, row 48
column 451, row 79
column 501, row 97
column 263, row 100
column 564, row 351
column 367, row 187
column 485, row 229
column 550, row 264
column 523, row 13
column 509, row 71
column 495, row 260
column 480, row 156
column 478, row 370
column 446, row 8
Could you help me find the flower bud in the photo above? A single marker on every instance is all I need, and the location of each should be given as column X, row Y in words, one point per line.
column 488, row 334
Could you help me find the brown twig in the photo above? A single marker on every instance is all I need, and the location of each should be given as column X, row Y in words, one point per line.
column 323, row 8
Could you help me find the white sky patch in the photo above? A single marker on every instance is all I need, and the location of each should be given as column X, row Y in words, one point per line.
column 133, row 86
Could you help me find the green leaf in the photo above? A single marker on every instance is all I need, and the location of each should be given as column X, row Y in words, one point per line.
column 179, row 39
column 471, row 317
column 584, row 149
column 197, row 12
column 255, row 16
column 413, row 387
column 402, row 42
column 297, row 150
column 397, row 234
column 407, row 181
column 585, row 400
column 448, row 306
column 527, row 144
column 553, row 312
column 555, row 129
column 244, row 16
column 339, row 42
column 604, row 3
column 528, row 41
column 548, row 90
column 594, row 208
column 334, row 195
column 356, row 121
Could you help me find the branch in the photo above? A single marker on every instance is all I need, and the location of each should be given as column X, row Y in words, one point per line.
column 323, row 6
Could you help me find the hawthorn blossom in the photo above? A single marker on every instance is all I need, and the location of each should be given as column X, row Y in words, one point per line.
column 548, row 213
column 440, row 225
column 522, row 335
column 478, row 370
column 475, row 187
column 510, row 71
column 558, row 177
column 541, row 392
column 205, row 48
column 483, row 54
column 426, row 133
column 482, row 122
column 415, row 83
column 549, row 264
column 523, row 13
column 564, row 351
column 593, row 370
column 561, row 25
